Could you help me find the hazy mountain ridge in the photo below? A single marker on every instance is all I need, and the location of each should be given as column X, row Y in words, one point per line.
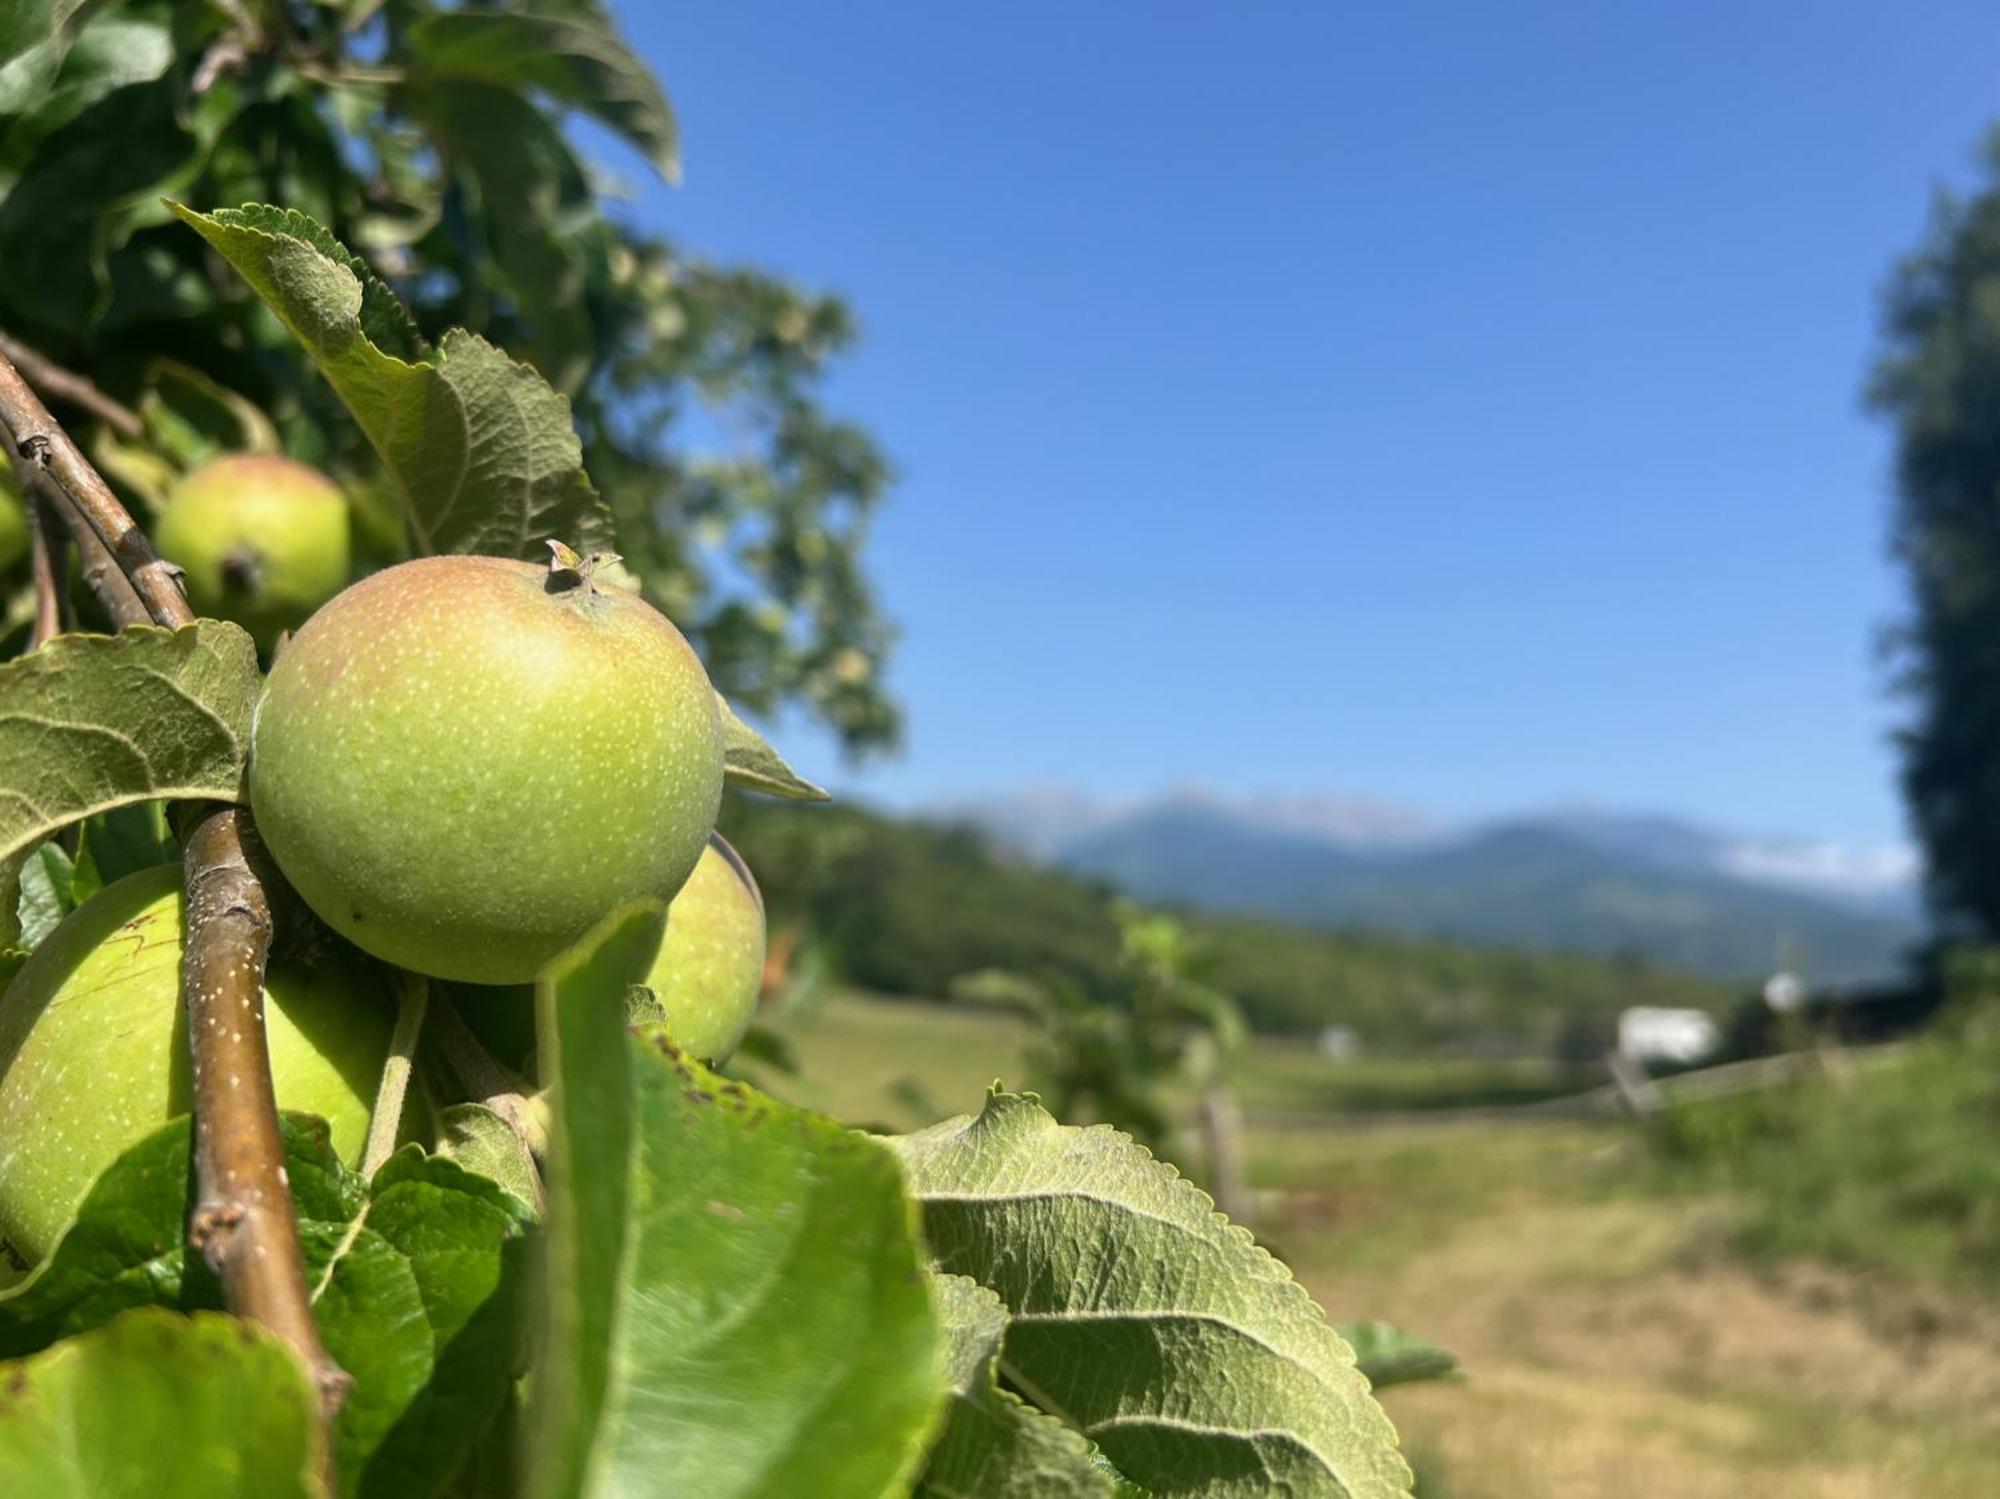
column 1589, row 881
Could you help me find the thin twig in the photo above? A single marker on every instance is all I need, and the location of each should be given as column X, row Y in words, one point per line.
column 67, row 386
column 386, row 1123
column 48, row 556
column 101, row 573
column 41, row 443
column 228, row 54
column 242, row 1223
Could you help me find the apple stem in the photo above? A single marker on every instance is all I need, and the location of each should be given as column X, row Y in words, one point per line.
column 48, row 561
column 243, row 1223
column 413, row 993
column 566, row 562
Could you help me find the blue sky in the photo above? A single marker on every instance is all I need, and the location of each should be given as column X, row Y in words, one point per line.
column 1449, row 404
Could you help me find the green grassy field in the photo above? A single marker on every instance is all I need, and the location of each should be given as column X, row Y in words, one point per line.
column 1616, row 1344
column 903, row 1063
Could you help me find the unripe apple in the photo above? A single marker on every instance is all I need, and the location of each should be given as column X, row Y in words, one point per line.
column 706, row 975
column 264, row 541
column 93, row 1050
column 13, row 521
column 711, row 960
column 462, row 763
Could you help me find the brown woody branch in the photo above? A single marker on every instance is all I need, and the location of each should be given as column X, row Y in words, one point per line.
column 101, row 573
column 243, row 1224
column 40, row 444
column 65, row 385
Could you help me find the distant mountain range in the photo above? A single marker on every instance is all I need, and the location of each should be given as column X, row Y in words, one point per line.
column 1587, row 881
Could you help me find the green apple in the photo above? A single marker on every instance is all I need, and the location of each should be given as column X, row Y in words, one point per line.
column 13, row 520
column 463, row 763
column 711, row 961
column 706, row 976
column 93, row 1050
column 264, row 541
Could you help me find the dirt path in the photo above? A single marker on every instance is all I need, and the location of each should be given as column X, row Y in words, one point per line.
column 1613, row 1346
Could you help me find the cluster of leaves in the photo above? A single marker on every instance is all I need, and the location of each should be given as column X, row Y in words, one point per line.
column 906, row 907
column 432, row 138
column 731, row 1297
column 723, row 1295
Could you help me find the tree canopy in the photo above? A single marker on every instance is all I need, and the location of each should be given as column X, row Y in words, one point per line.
column 1938, row 380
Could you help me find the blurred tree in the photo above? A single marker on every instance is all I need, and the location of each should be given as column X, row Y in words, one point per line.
column 433, row 138
column 1119, row 1061
column 1939, row 381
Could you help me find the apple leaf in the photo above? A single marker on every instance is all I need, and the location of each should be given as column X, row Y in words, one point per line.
column 47, row 894
column 72, row 68
column 736, row 1304
column 481, row 1140
column 93, row 722
column 26, row 25
column 1143, row 1317
column 749, row 761
column 122, row 841
column 576, row 58
column 191, row 416
column 1388, row 1355
column 532, row 187
column 460, row 1240
column 995, row 1445
column 478, row 82
column 87, row 186
column 417, row 1282
column 481, row 450
column 172, row 1407
column 124, row 1250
